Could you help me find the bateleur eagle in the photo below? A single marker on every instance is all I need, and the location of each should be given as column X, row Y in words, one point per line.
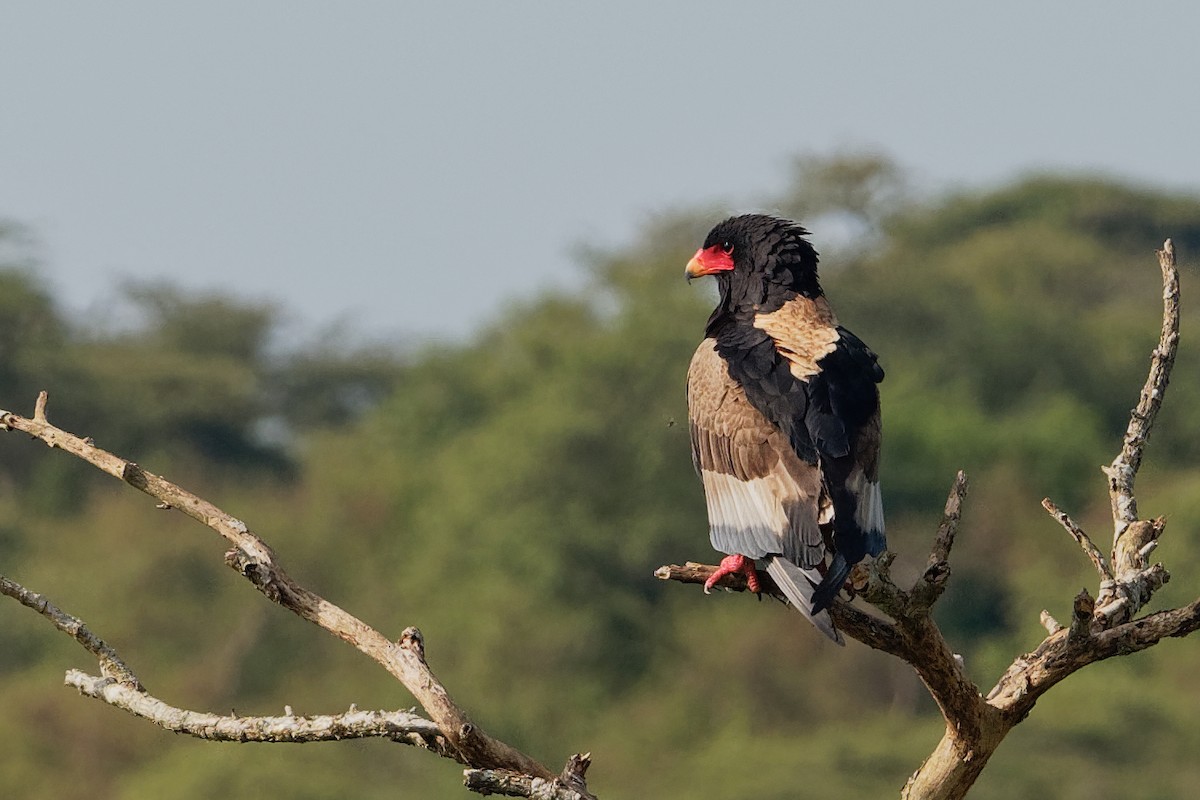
column 783, row 410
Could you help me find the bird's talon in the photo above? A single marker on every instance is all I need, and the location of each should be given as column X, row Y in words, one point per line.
column 735, row 565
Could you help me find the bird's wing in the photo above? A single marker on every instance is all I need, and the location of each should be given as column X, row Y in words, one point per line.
column 837, row 423
column 763, row 499
column 843, row 421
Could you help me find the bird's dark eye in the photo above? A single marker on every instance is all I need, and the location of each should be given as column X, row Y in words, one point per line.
column 727, row 246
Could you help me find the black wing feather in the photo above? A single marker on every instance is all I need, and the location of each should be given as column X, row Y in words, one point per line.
column 842, row 397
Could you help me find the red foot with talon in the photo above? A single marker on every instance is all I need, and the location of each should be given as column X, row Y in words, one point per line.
column 732, row 565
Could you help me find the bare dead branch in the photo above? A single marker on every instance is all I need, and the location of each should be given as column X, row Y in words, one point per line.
column 257, row 562
column 399, row 726
column 111, row 664
column 514, row 784
column 569, row 785
column 951, row 516
column 1123, row 470
column 1059, row 655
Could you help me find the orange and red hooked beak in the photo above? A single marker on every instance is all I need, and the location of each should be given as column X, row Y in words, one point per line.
column 709, row 261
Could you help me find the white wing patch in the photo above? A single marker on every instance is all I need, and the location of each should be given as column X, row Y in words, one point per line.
column 737, row 503
column 749, row 517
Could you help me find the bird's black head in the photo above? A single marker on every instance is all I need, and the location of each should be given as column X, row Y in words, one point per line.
column 759, row 262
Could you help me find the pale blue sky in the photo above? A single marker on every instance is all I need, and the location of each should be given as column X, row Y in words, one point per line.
column 409, row 166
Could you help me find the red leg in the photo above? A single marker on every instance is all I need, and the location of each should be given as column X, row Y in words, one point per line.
column 732, row 565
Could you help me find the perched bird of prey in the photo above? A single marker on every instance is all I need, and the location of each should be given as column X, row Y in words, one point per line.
column 783, row 409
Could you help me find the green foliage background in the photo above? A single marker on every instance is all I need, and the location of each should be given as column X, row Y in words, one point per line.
column 511, row 495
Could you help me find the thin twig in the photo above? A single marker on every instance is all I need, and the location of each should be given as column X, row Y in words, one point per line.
column 111, row 664
column 951, row 516
column 932, row 583
column 1081, row 538
column 1051, row 625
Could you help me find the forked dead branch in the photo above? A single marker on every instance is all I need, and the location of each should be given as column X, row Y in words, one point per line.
column 494, row 766
column 976, row 722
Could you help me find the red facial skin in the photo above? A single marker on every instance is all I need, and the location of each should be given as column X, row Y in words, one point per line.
column 709, row 261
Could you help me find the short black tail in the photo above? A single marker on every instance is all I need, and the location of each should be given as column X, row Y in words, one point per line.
column 797, row 584
column 831, row 584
